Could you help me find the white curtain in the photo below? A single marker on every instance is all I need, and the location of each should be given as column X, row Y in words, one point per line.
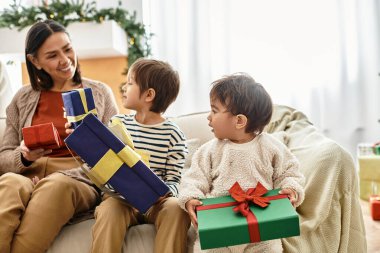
column 10, row 81
column 351, row 106
column 321, row 57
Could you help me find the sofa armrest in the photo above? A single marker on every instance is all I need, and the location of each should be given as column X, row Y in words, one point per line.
column 195, row 126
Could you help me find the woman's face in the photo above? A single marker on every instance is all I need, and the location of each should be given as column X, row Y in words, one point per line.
column 57, row 57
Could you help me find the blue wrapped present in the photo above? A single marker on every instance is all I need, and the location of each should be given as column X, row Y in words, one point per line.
column 114, row 163
column 78, row 103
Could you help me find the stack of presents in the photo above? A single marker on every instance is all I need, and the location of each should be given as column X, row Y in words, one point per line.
column 369, row 175
column 110, row 160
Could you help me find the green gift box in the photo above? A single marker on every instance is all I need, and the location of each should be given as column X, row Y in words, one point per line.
column 220, row 226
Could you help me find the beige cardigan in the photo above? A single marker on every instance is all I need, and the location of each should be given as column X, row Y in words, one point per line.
column 20, row 113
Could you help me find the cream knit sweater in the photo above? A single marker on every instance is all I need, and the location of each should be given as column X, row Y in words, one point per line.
column 218, row 164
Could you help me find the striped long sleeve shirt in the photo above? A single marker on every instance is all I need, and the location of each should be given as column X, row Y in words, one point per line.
column 165, row 144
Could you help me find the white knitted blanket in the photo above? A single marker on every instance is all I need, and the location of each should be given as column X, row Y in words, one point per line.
column 330, row 216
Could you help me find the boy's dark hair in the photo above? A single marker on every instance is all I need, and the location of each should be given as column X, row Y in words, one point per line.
column 37, row 35
column 242, row 95
column 159, row 76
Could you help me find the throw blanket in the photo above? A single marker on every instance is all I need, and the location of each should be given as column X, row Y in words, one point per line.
column 330, row 216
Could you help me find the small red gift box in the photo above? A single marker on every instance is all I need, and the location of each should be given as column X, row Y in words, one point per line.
column 42, row 136
column 374, row 202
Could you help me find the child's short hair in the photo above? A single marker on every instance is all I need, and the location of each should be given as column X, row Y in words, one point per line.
column 240, row 94
column 159, row 76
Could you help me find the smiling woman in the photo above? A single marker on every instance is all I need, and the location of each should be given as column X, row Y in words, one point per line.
column 53, row 68
column 54, row 64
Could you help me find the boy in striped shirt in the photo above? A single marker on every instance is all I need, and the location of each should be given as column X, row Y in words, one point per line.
column 151, row 87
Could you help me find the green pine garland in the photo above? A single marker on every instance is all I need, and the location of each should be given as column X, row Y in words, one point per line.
column 66, row 12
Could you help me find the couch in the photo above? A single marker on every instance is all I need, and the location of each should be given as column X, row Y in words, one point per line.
column 330, row 217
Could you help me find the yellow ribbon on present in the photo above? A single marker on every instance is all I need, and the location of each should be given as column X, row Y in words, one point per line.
column 118, row 128
column 83, row 99
column 107, row 166
column 144, row 156
column 129, row 156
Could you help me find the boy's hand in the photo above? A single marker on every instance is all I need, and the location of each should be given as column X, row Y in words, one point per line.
column 190, row 207
column 35, row 180
column 68, row 129
column 292, row 195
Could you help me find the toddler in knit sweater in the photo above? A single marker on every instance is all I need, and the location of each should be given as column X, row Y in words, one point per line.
column 241, row 152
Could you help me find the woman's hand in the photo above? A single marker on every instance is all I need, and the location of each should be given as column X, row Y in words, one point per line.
column 190, row 207
column 292, row 195
column 68, row 129
column 32, row 155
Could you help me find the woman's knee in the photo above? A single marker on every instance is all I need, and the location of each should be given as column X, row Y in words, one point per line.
column 58, row 187
column 57, row 182
column 16, row 182
column 61, row 190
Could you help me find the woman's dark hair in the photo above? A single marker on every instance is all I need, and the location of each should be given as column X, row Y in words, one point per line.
column 37, row 35
column 241, row 94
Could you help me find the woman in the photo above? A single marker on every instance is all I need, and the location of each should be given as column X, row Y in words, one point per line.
column 41, row 190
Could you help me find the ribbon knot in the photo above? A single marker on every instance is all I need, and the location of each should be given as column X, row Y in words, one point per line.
column 254, row 195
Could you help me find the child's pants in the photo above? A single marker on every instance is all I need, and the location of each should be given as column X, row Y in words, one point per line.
column 33, row 215
column 114, row 217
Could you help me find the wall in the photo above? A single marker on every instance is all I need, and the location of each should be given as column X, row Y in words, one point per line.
column 130, row 5
column 107, row 70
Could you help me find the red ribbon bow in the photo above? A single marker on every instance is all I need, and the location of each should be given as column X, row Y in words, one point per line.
column 253, row 195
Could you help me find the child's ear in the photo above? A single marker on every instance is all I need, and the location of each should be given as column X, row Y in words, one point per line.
column 34, row 61
column 150, row 94
column 241, row 121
